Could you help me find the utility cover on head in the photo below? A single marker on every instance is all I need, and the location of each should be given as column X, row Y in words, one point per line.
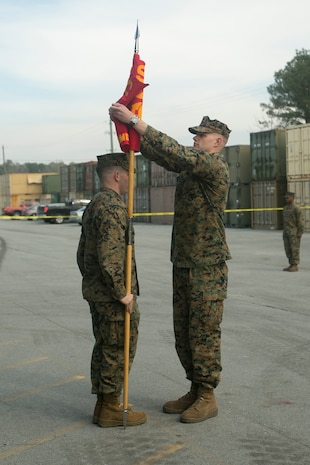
column 114, row 159
column 209, row 126
column 290, row 194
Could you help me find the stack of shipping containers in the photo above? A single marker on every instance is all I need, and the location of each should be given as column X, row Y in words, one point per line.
column 162, row 192
column 268, row 186
column 51, row 188
column 298, row 167
column 238, row 158
column 64, row 183
column 142, row 190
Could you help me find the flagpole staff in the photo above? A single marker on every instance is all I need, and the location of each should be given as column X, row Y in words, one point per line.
column 129, row 264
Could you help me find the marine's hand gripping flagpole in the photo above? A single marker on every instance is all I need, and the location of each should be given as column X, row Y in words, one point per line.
column 129, row 141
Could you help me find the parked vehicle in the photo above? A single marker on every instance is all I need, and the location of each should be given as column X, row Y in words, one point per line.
column 59, row 212
column 76, row 216
column 31, row 212
column 18, row 210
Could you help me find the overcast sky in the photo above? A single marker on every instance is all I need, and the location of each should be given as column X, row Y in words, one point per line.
column 63, row 62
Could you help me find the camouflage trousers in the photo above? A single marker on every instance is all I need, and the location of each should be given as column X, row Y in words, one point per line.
column 292, row 247
column 197, row 314
column 107, row 361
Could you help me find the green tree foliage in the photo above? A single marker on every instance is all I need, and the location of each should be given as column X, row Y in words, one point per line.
column 11, row 167
column 290, row 93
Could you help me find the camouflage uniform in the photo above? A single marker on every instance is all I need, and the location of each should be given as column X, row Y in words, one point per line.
column 293, row 224
column 198, row 252
column 101, row 258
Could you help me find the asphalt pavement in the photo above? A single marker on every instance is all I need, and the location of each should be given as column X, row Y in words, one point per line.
column 46, row 342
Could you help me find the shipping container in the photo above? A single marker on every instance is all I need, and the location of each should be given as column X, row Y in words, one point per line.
column 4, row 191
column 51, row 183
column 267, row 200
column 80, row 170
column 19, row 187
column 142, row 177
column 238, row 158
column 301, row 188
column 160, row 177
column 162, row 201
column 72, row 178
column 268, row 155
column 142, row 205
column 298, row 151
column 89, row 176
column 239, row 197
column 64, row 181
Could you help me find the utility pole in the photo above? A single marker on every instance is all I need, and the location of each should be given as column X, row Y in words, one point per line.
column 111, row 136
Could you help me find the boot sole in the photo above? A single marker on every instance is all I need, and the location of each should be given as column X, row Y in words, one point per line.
column 197, row 420
column 111, row 423
column 175, row 411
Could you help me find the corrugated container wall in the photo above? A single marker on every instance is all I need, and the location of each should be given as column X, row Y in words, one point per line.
column 268, row 155
column 89, row 177
column 142, row 178
column 267, row 197
column 64, row 181
column 142, row 204
column 4, row 190
column 80, row 169
column 298, row 151
column 238, row 158
column 72, row 180
column 162, row 201
column 239, row 197
column 160, row 177
column 51, row 183
column 301, row 187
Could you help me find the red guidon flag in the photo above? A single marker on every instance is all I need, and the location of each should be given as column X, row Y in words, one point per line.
column 132, row 98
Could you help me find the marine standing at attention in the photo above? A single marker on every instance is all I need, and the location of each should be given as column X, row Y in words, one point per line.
column 101, row 257
column 198, row 252
column 293, row 228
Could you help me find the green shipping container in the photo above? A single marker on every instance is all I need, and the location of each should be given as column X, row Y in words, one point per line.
column 51, row 183
column 142, row 178
column 239, row 198
column 238, row 158
column 268, row 155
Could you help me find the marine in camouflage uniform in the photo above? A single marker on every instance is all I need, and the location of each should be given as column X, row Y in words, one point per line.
column 198, row 252
column 101, row 257
column 293, row 228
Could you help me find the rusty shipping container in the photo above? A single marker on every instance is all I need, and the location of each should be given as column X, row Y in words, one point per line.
column 268, row 155
column 267, row 199
column 160, row 177
column 162, row 201
column 301, row 187
column 298, row 151
column 91, row 179
column 238, row 158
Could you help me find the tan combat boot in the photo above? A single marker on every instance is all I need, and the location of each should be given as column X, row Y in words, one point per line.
column 97, row 408
column 112, row 412
column 293, row 268
column 204, row 407
column 178, row 406
column 287, row 268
